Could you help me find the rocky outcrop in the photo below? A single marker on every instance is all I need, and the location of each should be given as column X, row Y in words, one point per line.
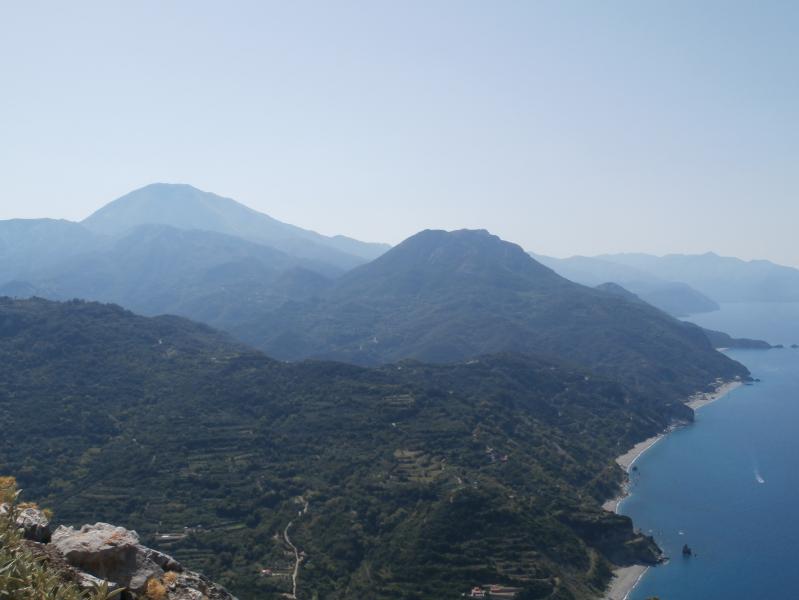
column 102, row 553
column 108, row 553
column 193, row 586
column 34, row 524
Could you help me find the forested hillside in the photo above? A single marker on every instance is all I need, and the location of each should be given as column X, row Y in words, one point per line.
column 406, row 481
column 447, row 296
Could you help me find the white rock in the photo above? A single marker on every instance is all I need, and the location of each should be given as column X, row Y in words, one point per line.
column 108, row 552
column 34, row 524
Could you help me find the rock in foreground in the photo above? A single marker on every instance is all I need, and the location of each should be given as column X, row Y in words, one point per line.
column 103, row 552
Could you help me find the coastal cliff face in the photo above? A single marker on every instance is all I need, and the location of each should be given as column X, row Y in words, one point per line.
column 95, row 562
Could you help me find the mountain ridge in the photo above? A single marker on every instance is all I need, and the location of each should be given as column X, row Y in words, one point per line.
column 675, row 297
column 722, row 278
column 447, row 296
column 157, row 269
column 186, row 207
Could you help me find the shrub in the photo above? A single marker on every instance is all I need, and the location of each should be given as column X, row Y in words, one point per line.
column 24, row 576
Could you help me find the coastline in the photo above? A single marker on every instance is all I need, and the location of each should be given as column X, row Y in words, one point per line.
column 699, row 400
column 626, row 578
column 626, row 461
column 624, row 581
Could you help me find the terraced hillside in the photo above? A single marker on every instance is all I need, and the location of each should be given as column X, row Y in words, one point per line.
column 406, row 481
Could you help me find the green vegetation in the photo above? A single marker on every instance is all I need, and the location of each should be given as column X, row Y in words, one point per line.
column 406, row 481
column 720, row 339
column 448, row 296
column 437, row 297
column 26, row 574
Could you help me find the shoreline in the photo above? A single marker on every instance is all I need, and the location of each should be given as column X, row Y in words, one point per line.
column 699, row 400
column 624, row 581
column 626, row 462
column 626, row 578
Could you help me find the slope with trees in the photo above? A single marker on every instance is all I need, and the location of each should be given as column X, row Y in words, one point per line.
column 445, row 296
column 418, row 480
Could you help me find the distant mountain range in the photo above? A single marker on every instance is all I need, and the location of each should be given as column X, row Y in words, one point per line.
column 157, row 269
column 675, row 297
column 37, row 252
column 448, row 296
column 185, row 207
column 684, row 284
column 174, row 249
column 723, row 278
column 718, row 339
column 439, row 296
column 470, row 439
column 199, row 254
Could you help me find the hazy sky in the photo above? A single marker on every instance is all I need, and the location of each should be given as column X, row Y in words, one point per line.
column 568, row 127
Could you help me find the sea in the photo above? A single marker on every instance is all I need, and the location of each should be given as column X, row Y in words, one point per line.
column 728, row 485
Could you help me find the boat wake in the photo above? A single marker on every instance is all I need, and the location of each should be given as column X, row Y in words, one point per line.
column 759, row 477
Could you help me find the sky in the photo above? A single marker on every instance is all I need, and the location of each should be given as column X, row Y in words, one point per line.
column 567, row 127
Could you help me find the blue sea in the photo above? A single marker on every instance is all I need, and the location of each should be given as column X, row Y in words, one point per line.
column 728, row 485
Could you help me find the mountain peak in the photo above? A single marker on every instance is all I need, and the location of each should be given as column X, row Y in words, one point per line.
column 465, row 258
column 461, row 243
column 176, row 204
column 183, row 206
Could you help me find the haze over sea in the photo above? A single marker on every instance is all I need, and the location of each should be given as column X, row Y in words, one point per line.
column 728, row 486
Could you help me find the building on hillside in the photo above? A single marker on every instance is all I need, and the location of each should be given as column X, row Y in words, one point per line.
column 502, row 592
column 494, row 592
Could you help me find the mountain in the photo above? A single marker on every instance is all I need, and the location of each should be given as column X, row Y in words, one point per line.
column 448, row 296
column 174, row 249
column 29, row 245
column 718, row 339
column 725, row 279
column 156, row 269
column 185, row 207
column 438, row 297
column 675, row 297
column 617, row 290
column 404, row 481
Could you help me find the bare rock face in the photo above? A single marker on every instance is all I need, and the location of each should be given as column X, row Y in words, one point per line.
column 109, row 553
column 114, row 554
column 192, row 586
column 34, row 524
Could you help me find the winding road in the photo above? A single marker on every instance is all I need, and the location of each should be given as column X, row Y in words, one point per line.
column 298, row 558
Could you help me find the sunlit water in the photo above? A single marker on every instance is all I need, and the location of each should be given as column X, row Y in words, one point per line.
column 728, row 485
